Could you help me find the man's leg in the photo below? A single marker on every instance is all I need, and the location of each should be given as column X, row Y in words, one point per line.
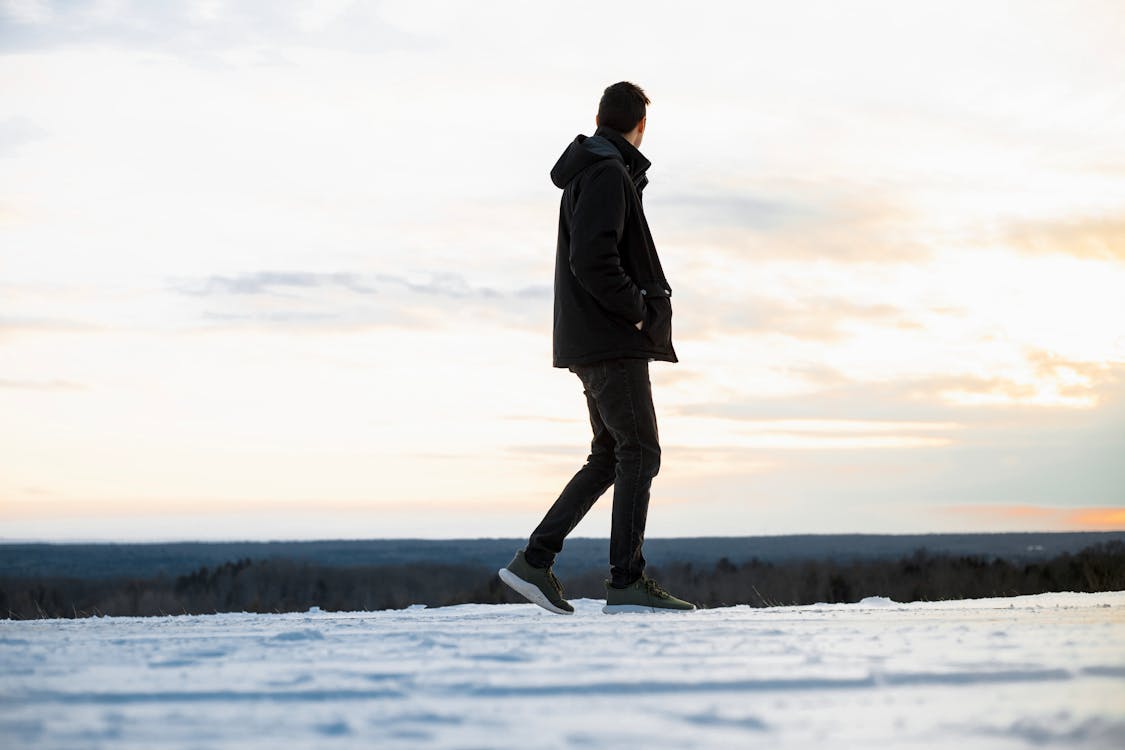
column 625, row 405
column 583, row 490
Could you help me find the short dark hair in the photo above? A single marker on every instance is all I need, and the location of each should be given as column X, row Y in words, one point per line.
column 622, row 106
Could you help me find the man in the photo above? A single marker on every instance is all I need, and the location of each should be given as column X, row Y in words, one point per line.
column 613, row 315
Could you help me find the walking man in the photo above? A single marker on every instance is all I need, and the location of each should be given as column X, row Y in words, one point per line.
column 613, row 315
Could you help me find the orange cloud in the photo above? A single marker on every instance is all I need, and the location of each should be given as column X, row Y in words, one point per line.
column 1045, row 518
column 1100, row 518
column 1101, row 237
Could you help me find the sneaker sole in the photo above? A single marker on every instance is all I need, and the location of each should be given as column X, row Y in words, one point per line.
column 620, row 609
column 529, row 591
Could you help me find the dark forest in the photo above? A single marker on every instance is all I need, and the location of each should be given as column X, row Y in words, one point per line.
column 272, row 585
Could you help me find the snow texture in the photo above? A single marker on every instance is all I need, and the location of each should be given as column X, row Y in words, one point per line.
column 1033, row 671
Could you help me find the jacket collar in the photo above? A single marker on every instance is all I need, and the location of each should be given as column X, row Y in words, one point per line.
column 634, row 160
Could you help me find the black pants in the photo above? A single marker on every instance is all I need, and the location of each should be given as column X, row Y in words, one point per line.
column 625, row 453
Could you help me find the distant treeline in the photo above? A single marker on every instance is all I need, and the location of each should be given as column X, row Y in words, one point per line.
column 272, row 585
column 151, row 559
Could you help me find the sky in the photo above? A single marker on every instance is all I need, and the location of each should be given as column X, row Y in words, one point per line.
column 282, row 270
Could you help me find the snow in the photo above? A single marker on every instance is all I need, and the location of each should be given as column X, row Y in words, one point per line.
column 876, row 601
column 1033, row 671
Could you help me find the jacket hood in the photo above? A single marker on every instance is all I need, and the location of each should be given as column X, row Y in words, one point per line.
column 605, row 143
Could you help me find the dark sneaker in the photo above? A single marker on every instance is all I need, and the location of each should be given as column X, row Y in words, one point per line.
column 643, row 595
column 537, row 585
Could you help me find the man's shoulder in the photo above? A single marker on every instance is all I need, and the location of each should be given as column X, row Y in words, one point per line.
column 603, row 169
column 608, row 175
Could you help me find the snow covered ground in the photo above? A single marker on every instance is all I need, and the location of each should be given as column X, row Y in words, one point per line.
column 1031, row 671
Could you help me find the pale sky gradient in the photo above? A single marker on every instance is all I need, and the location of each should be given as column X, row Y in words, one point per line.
column 283, row 269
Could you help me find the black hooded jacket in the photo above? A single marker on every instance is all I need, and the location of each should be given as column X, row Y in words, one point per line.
column 607, row 273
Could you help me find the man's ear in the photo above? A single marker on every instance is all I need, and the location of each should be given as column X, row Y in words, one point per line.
column 641, row 124
column 596, row 122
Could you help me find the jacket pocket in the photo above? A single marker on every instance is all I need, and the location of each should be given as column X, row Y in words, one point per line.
column 658, row 312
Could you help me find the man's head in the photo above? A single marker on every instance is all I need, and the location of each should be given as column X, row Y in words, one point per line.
column 623, row 108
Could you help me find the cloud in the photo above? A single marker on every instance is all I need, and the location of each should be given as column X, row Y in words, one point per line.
column 269, row 282
column 927, row 398
column 199, row 31
column 539, row 418
column 1095, row 237
column 998, row 454
column 442, row 283
column 1042, row 517
column 355, row 301
column 792, row 221
column 746, row 210
column 15, row 325
column 16, row 132
column 42, row 385
column 1099, row 518
column 535, row 291
column 434, row 283
column 822, row 319
column 274, row 318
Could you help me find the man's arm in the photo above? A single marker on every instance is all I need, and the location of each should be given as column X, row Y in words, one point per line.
column 596, row 227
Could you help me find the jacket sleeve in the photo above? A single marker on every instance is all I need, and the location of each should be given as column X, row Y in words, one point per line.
column 596, row 228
